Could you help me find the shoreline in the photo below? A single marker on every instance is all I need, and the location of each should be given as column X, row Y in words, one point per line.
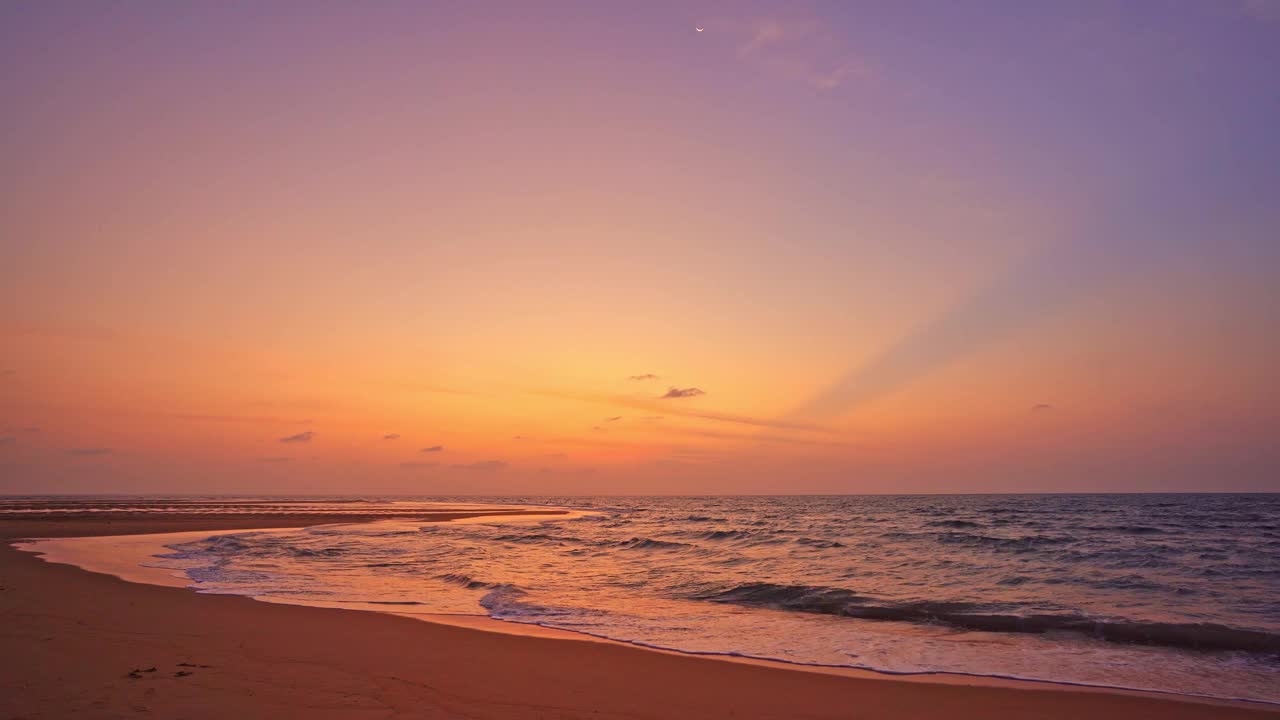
column 991, row 694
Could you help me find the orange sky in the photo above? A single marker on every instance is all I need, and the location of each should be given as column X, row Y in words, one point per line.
column 470, row 228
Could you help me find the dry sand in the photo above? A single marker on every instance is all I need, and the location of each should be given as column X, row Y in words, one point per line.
column 71, row 641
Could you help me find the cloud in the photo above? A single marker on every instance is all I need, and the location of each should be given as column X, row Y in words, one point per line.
column 800, row 50
column 433, row 449
column 301, row 437
column 8, row 372
column 391, row 436
column 273, row 459
column 615, row 418
column 770, row 32
column 1041, row 407
column 482, row 466
column 675, row 392
column 88, row 452
column 8, row 440
column 669, row 409
column 646, row 376
column 831, row 80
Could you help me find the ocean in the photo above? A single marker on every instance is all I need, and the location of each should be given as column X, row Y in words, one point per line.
column 1173, row 593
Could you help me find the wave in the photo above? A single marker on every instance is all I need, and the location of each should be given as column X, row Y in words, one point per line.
column 970, row 616
column 466, row 581
column 723, row 535
column 639, row 543
column 1016, row 544
column 955, row 524
column 1127, row 529
column 819, row 543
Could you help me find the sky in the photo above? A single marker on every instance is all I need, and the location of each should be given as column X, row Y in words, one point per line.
column 584, row 247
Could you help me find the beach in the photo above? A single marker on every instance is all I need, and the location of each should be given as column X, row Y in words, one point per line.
column 76, row 643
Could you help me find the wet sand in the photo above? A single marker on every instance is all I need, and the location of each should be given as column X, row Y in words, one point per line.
column 76, row 643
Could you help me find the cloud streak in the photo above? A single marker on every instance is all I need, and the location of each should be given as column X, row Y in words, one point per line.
column 433, row 449
column 642, row 378
column 391, row 436
column 675, row 392
column 674, row 409
column 89, row 452
column 302, row 437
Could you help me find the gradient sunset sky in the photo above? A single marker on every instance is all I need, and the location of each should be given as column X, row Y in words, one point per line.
column 553, row 247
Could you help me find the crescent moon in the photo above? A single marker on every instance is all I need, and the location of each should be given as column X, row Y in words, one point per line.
column 699, row 28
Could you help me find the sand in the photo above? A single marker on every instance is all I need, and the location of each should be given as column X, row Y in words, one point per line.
column 80, row 644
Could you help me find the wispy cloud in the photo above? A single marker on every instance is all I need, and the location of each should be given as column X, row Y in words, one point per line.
column 482, row 466
column 301, row 437
column 391, row 436
column 804, row 50
column 88, row 452
column 7, row 372
column 1041, row 407
column 645, row 376
column 675, row 392
column 615, row 418
column 767, row 33
column 8, row 440
column 433, row 449
column 676, row 409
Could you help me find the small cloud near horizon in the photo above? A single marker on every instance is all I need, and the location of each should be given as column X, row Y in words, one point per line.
column 615, row 418
column 1041, row 407
column 88, row 452
column 433, row 449
column 675, row 392
column 645, row 376
column 391, row 436
column 301, row 437
column 482, row 466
